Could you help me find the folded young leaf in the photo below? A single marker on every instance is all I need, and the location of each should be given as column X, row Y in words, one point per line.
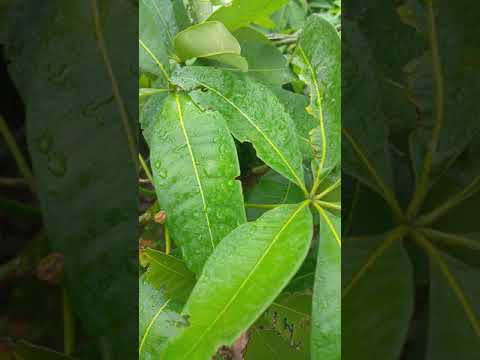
column 318, row 59
column 326, row 312
column 244, row 12
column 252, row 112
column 195, row 165
column 240, row 280
column 210, row 40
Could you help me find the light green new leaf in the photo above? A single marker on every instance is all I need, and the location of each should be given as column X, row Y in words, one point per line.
column 195, row 164
column 377, row 296
column 252, row 112
column 241, row 13
column 157, row 28
column 163, row 291
column 326, row 315
column 318, row 59
column 265, row 62
column 243, row 276
column 210, row 40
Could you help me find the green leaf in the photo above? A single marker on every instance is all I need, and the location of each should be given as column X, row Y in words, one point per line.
column 327, row 323
column 243, row 276
column 377, row 296
column 365, row 152
column 318, row 58
column 274, row 189
column 70, row 119
column 210, row 40
column 241, row 13
column 194, row 166
column 296, row 105
column 163, row 291
column 157, row 28
column 454, row 293
column 26, row 350
column 253, row 114
column 265, row 62
column 292, row 16
column 268, row 344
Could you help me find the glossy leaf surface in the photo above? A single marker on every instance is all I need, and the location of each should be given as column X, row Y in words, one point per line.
column 242, row 277
column 318, row 59
column 210, row 40
column 241, row 13
column 252, row 113
column 326, row 312
column 194, row 167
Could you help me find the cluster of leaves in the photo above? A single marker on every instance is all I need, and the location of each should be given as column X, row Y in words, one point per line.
column 244, row 143
column 411, row 141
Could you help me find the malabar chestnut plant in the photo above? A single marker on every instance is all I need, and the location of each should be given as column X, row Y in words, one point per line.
column 242, row 125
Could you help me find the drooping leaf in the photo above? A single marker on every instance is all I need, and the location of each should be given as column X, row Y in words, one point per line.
column 265, row 62
column 210, row 40
column 70, row 117
column 194, row 166
column 365, row 152
column 253, row 114
column 377, row 296
column 326, row 312
column 274, row 189
column 242, row 277
column 241, row 13
column 296, row 105
column 157, row 29
column 163, row 291
column 318, row 59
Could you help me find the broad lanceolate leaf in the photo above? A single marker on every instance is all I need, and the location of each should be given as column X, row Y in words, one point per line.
column 163, row 291
column 377, row 296
column 241, row 13
column 194, row 167
column 365, row 153
column 265, row 62
column 157, row 29
column 242, row 277
column 253, row 114
column 210, row 40
column 318, row 57
column 454, row 330
column 296, row 105
column 326, row 313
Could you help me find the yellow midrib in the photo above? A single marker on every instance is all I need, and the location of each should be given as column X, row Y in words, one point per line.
column 147, row 331
column 195, row 169
column 247, row 279
column 274, row 147
column 155, row 59
column 330, row 225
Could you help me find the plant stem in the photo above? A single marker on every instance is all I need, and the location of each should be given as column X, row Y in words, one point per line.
column 22, row 164
column 328, row 190
column 68, row 325
column 168, row 240
column 7, row 181
column 145, row 168
column 329, row 205
column 451, row 239
column 15, row 207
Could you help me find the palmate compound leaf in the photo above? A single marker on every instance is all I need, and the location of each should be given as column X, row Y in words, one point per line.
column 241, row 13
column 159, row 21
column 318, row 60
column 378, row 275
column 163, row 291
column 246, row 272
column 326, row 312
column 210, row 40
column 365, row 152
column 252, row 112
column 195, row 165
